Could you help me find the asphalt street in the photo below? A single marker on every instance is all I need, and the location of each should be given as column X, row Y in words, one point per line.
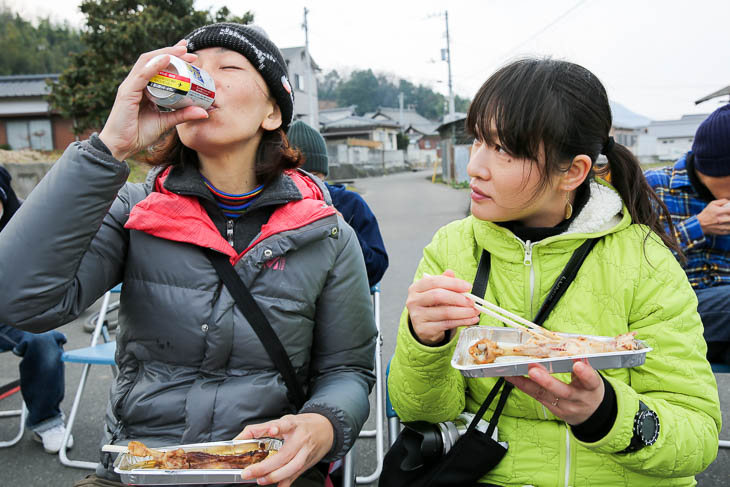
column 409, row 209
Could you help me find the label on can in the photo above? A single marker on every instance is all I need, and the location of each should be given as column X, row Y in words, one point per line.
column 171, row 82
column 180, row 85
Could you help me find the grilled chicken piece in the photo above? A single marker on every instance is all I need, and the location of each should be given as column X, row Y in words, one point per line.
column 486, row 351
column 180, row 459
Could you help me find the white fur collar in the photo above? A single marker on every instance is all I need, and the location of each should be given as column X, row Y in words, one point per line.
column 602, row 212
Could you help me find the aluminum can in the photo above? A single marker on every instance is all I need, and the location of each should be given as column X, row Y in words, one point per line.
column 180, row 85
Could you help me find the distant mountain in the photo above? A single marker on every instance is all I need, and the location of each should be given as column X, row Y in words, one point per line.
column 623, row 117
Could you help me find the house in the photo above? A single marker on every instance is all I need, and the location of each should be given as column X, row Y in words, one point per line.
column 423, row 138
column 336, row 113
column 455, row 148
column 628, row 128
column 26, row 119
column 383, row 133
column 668, row 140
column 359, row 146
column 304, row 83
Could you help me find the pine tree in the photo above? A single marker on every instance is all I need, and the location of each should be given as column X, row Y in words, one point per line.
column 27, row 49
column 116, row 33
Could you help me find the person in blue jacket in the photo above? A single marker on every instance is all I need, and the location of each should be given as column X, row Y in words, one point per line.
column 349, row 204
column 41, row 370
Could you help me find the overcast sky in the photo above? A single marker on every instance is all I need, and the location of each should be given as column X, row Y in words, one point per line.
column 655, row 57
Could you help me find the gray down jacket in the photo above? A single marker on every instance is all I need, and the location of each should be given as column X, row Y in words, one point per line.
column 191, row 368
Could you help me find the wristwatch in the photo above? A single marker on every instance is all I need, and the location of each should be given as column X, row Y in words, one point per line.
column 646, row 429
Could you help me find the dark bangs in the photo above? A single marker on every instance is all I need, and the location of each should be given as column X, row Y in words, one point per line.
column 529, row 107
column 274, row 155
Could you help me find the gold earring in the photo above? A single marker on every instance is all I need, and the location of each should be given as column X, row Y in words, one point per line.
column 568, row 206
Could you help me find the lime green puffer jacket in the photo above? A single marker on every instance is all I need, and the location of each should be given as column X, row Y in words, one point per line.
column 627, row 283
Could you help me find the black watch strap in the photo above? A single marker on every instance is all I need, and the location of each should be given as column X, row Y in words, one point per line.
column 642, row 438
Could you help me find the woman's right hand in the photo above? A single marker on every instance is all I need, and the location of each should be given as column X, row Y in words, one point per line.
column 135, row 122
column 436, row 304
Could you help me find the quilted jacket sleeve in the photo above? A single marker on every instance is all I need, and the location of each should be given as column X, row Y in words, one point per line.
column 422, row 384
column 63, row 247
column 676, row 380
column 343, row 354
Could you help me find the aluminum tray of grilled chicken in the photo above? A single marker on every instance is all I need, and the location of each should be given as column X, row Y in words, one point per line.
column 485, row 351
column 219, row 462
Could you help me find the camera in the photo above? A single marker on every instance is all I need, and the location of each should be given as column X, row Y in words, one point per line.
column 426, row 442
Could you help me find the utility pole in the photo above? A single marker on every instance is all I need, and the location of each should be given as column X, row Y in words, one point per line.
column 400, row 111
column 310, row 79
column 448, row 61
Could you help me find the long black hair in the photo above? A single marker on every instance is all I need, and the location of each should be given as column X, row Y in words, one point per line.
column 556, row 110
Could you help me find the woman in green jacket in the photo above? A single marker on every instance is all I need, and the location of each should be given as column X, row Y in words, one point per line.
column 539, row 126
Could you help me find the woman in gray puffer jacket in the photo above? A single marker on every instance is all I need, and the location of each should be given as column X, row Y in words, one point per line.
column 191, row 367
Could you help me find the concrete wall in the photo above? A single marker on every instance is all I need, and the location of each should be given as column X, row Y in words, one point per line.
column 26, row 175
column 353, row 162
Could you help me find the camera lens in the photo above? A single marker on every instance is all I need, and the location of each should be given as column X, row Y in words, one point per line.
column 449, row 435
column 429, row 436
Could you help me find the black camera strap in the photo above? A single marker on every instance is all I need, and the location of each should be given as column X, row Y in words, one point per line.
column 561, row 285
column 256, row 318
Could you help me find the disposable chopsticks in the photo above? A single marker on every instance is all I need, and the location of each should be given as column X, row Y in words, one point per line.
column 504, row 316
column 494, row 311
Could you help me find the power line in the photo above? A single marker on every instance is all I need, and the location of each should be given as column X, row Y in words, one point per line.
column 535, row 35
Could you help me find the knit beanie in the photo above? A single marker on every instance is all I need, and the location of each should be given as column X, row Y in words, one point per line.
column 711, row 146
column 252, row 42
column 312, row 145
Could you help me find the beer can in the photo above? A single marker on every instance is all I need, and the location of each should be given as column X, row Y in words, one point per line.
column 180, row 85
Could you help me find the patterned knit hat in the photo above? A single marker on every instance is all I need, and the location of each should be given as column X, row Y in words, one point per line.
column 711, row 146
column 312, row 145
column 252, row 42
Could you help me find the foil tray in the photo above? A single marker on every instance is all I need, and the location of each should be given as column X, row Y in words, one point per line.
column 125, row 464
column 512, row 366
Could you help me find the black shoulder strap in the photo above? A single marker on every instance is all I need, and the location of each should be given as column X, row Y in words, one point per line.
column 251, row 310
column 479, row 288
column 564, row 280
column 556, row 292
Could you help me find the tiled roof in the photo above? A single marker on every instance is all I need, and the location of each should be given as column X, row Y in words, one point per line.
column 358, row 122
column 684, row 127
column 25, row 85
column 411, row 118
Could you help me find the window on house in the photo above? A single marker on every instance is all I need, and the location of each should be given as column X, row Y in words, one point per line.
column 299, row 82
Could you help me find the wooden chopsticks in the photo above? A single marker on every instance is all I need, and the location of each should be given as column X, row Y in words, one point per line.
column 504, row 316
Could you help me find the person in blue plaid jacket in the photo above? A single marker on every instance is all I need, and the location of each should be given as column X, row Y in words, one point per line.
column 696, row 191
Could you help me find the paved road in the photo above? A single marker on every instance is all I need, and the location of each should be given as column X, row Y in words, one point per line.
column 409, row 209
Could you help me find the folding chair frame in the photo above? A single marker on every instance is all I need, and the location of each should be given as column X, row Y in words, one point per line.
column 99, row 330
column 9, row 390
column 378, row 432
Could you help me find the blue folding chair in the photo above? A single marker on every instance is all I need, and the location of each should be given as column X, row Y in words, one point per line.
column 95, row 354
column 349, row 478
